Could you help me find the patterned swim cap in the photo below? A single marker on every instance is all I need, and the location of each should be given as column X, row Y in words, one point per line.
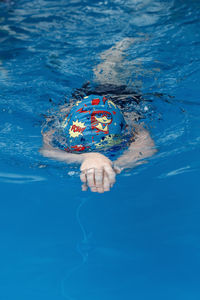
column 93, row 123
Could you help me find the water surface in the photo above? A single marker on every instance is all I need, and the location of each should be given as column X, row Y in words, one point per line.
column 141, row 240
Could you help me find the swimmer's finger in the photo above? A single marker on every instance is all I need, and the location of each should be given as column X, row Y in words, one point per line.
column 100, row 190
column 111, row 174
column 90, row 178
column 99, row 178
column 84, row 187
column 93, row 189
column 83, row 177
column 106, row 183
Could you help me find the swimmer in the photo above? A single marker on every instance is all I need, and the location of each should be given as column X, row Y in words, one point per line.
column 94, row 125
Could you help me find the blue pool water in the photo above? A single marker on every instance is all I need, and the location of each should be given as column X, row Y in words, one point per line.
column 142, row 239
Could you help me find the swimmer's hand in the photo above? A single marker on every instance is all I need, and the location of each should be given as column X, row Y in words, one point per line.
column 97, row 173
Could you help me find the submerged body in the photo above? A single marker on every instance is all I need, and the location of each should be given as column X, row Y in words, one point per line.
column 95, row 123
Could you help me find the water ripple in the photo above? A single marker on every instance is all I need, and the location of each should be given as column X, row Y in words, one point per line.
column 19, row 178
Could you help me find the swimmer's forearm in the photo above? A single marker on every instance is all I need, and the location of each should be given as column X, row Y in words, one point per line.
column 130, row 160
column 49, row 151
column 142, row 148
column 63, row 156
column 60, row 155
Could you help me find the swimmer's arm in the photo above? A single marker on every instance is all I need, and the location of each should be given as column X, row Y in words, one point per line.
column 143, row 147
column 97, row 170
column 61, row 155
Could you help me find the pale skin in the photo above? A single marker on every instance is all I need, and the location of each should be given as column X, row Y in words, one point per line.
column 98, row 172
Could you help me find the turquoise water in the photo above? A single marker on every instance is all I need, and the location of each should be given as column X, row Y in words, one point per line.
column 140, row 240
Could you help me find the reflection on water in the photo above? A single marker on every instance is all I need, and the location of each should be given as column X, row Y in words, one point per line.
column 19, row 178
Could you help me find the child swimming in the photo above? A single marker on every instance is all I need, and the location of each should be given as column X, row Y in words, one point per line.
column 95, row 124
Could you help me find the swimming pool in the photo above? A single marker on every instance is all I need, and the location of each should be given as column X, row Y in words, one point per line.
column 140, row 240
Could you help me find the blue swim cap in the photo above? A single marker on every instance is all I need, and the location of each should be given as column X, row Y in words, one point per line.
column 93, row 123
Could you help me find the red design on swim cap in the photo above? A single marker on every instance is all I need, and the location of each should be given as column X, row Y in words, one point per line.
column 114, row 112
column 96, row 123
column 76, row 128
column 81, row 110
column 78, row 148
column 104, row 100
column 95, row 101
